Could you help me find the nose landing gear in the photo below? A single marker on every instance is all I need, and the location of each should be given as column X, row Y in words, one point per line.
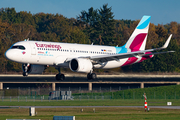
column 25, row 74
column 25, row 67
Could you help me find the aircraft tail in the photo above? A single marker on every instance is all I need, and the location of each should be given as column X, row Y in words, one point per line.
column 137, row 41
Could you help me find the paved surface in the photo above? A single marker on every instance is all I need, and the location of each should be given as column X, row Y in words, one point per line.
column 126, row 81
column 163, row 107
column 101, row 78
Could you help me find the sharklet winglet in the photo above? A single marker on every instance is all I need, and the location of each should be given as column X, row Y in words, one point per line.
column 167, row 42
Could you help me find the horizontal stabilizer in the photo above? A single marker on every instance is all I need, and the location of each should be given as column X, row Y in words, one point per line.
column 156, row 53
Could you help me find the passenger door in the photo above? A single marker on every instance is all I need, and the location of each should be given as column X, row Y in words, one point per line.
column 33, row 49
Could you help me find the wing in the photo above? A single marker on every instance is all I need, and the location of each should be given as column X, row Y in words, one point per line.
column 105, row 58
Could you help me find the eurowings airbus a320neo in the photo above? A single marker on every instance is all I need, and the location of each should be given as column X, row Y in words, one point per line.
column 37, row 55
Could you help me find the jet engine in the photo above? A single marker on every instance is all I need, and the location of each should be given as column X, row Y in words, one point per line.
column 80, row 65
column 34, row 69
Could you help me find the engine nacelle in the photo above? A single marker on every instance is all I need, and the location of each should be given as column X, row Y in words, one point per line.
column 80, row 65
column 34, row 69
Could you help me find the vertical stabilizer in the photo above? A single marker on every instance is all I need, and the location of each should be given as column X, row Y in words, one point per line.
column 137, row 41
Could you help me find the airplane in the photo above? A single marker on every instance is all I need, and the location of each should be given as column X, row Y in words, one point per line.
column 35, row 56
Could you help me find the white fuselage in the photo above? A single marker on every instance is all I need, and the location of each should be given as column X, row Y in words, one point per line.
column 57, row 54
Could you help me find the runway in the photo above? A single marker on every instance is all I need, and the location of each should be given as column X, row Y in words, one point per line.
column 100, row 78
column 79, row 81
column 162, row 107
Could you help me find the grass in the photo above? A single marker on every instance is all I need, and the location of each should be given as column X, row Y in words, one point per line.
column 107, row 113
column 161, row 92
column 88, row 114
column 112, row 102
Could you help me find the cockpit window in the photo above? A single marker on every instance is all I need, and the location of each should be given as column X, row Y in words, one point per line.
column 18, row 47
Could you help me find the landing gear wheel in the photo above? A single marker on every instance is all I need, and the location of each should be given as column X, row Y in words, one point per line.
column 91, row 76
column 25, row 74
column 60, row 77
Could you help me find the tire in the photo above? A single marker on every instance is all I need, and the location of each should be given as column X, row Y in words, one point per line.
column 89, row 76
column 58, row 77
column 25, row 74
column 93, row 76
column 62, row 77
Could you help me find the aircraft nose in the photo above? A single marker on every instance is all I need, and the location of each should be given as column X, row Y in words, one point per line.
column 9, row 55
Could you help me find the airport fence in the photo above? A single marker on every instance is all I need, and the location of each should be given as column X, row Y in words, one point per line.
column 91, row 96
column 77, row 97
column 47, row 98
column 41, row 94
column 45, row 91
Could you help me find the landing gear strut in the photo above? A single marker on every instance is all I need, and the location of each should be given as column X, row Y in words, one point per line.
column 91, row 76
column 25, row 73
column 60, row 76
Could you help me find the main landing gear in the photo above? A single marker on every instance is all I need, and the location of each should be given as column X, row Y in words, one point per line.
column 60, row 76
column 91, row 76
column 25, row 66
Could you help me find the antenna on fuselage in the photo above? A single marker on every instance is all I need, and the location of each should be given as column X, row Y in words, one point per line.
column 26, row 39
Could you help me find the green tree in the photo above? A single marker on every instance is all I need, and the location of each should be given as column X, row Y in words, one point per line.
column 105, row 27
column 99, row 25
column 94, row 25
column 161, row 31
